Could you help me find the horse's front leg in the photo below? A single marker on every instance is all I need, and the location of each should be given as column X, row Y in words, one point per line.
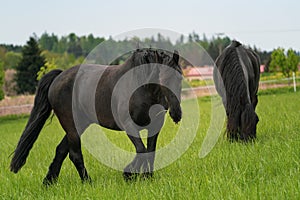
column 233, row 133
column 151, row 146
column 135, row 167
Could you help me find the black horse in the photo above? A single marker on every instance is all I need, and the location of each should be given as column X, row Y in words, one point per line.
column 236, row 77
column 69, row 96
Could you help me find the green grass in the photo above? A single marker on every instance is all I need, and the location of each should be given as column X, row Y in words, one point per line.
column 266, row 169
column 198, row 83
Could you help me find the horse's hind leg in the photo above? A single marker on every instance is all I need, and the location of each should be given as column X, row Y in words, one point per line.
column 73, row 143
column 61, row 153
column 75, row 155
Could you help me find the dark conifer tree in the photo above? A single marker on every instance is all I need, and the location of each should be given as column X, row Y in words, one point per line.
column 27, row 68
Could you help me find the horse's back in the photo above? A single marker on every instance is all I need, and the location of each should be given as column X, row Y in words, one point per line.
column 72, row 93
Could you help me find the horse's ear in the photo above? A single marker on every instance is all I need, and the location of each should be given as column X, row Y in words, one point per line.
column 176, row 56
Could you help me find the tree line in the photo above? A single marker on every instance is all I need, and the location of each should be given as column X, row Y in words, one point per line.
column 67, row 49
column 47, row 52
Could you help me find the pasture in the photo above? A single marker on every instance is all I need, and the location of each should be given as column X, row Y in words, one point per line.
column 266, row 169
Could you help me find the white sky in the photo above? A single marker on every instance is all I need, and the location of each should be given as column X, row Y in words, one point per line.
column 267, row 24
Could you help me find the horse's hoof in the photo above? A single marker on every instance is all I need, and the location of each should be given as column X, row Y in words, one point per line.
column 128, row 176
column 232, row 137
column 147, row 175
column 248, row 140
column 87, row 180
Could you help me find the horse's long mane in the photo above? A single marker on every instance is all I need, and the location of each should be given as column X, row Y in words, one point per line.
column 142, row 60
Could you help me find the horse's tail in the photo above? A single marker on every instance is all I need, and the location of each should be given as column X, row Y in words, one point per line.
column 38, row 116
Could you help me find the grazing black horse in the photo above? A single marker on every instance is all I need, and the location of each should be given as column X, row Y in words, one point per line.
column 73, row 109
column 236, row 77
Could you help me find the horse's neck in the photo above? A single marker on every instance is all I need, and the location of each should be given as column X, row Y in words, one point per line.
column 122, row 68
column 146, row 73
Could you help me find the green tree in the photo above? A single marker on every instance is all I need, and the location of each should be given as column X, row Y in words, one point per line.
column 292, row 60
column 11, row 60
column 216, row 46
column 286, row 63
column 45, row 69
column 74, row 45
column 89, row 43
column 2, row 53
column 2, row 74
column 278, row 61
column 27, row 68
column 47, row 41
column 180, row 40
column 204, row 42
column 61, row 46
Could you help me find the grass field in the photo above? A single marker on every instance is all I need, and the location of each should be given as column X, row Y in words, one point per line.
column 266, row 169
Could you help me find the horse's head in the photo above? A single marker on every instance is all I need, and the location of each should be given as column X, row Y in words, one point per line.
column 171, row 78
column 249, row 120
column 164, row 69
